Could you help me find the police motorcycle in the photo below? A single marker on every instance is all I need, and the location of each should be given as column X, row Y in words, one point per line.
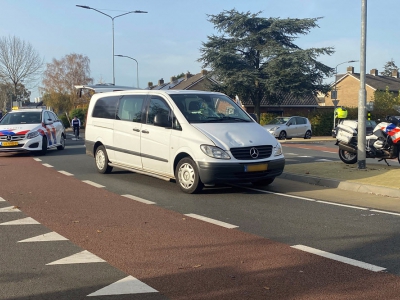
column 383, row 144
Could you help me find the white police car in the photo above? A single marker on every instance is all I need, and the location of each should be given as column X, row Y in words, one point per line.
column 31, row 129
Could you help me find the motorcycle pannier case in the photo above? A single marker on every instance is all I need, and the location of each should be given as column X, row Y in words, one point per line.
column 346, row 132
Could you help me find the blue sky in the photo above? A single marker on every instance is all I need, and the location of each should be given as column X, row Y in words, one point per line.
column 166, row 40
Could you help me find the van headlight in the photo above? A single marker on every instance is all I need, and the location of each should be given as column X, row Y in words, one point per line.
column 274, row 128
column 277, row 150
column 214, row 152
column 32, row 134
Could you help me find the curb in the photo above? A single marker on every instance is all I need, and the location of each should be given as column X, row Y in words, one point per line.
column 344, row 185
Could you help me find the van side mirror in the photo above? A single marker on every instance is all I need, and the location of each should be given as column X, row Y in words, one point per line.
column 162, row 120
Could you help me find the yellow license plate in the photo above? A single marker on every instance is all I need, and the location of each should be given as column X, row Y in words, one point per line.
column 5, row 144
column 256, row 168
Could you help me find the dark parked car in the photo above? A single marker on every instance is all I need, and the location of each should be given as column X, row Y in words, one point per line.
column 370, row 125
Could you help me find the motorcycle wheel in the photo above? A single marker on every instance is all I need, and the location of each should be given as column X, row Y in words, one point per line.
column 347, row 157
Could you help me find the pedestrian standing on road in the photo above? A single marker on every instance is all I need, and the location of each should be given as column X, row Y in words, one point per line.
column 76, row 124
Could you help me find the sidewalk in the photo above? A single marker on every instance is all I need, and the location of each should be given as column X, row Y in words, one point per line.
column 374, row 179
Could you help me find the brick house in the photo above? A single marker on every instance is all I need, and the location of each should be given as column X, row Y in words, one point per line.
column 348, row 86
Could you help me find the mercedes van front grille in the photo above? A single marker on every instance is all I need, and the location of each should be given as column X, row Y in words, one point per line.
column 249, row 153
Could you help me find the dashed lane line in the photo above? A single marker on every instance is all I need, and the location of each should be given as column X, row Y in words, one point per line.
column 212, row 221
column 37, row 159
column 47, row 165
column 339, row 258
column 66, row 173
column 138, row 199
column 1, row 199
column 93, row 183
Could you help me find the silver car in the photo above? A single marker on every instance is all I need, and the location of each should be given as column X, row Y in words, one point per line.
column 289, row 127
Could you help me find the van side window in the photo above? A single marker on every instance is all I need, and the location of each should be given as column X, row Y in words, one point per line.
column 130, row 108
column 158, row 106
column 105, row 108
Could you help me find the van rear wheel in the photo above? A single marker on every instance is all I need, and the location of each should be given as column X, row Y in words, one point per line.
column 187, row 176
column 102, row 161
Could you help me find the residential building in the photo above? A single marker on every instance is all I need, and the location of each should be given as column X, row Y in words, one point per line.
column 348, row 86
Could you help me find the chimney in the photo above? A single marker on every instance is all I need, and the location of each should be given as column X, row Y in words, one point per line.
column 188, row 75
column 203, row 72
column 173, row 78
column 395, row 73
column 150, row 84
column 374, row 72
column 350, row 70
column 161, row 81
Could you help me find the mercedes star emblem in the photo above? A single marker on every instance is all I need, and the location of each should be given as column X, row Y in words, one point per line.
column 254, row 152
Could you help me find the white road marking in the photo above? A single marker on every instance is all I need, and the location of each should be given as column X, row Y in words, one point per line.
column 37, row 159
column 305, row 156
column 47, row 165
column 344, row 205
column 83, row 257
column 213, row 221
column 138, row 199
column 66, row 173
column 2, row 199
column 47, row 237
column 25, row 221
column 323, row 159
column 342, row 259
column 127, row 285
column 280, row 194
column 93, row 183
column 329, row 152
column 295, row 154
column 385, row 212
column 9, row 209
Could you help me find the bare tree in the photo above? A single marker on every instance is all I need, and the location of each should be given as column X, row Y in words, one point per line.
column 59, row 80
column 19, row 62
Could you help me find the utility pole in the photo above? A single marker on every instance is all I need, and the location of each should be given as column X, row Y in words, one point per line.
column 361, row 133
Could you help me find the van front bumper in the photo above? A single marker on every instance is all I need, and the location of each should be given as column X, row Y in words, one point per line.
column 212, row 173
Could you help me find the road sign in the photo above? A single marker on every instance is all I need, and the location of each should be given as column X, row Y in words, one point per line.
column 335, row 102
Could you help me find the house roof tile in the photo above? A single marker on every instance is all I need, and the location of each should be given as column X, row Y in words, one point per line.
column 286, row 99
column 377, row 82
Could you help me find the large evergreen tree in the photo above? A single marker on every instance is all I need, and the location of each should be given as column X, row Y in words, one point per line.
column 256, row 57
column 389, row 67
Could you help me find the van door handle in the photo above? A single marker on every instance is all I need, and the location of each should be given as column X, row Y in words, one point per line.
column 136, row 129
column 145, row 131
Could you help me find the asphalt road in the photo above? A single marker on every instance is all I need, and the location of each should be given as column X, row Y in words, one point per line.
column 178, row 256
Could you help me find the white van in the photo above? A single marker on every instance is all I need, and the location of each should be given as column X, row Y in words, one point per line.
column 195, row 137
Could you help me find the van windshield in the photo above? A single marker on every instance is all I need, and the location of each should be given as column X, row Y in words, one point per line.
column 209, row 108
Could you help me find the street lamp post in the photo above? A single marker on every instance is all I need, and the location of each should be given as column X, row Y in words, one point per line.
column 334, row 92
column 137, row 67
column 112, row 19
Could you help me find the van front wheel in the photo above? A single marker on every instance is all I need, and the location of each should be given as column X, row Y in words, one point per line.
column 187, row 176
column 102, row 161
